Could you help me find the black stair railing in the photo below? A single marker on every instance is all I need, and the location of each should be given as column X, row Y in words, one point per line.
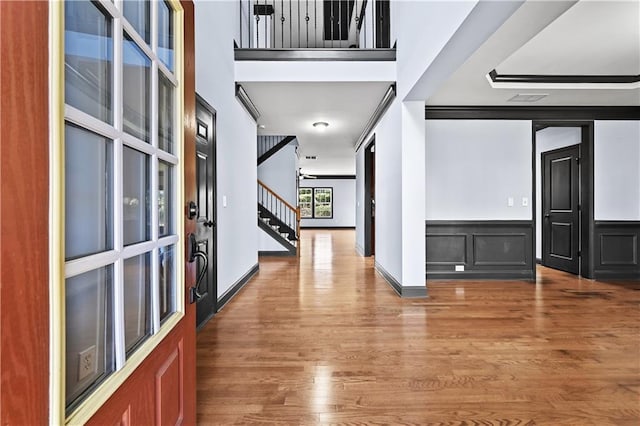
column 305, row 24
column 269, row 145
column 280, row 209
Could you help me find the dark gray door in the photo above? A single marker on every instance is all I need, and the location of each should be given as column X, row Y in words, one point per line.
column 370, row 199
column 560, row 209
column 206, row 196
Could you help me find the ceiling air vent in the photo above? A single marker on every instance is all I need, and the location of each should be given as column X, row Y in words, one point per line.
column 528, row 97
column 310, row 157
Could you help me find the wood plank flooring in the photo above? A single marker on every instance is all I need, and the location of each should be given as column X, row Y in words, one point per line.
column 324, row 340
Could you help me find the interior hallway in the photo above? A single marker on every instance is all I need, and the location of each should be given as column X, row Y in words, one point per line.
column 326, row 340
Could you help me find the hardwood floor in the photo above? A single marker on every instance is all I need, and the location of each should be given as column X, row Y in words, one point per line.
column 324, row 340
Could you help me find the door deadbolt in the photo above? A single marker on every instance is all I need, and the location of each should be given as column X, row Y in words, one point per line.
column 192, row 210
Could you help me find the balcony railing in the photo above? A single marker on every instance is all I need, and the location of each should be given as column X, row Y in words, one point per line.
column 314, row 24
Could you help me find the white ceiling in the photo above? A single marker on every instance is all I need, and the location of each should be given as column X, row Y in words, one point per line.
column 292, row 108
column 541, row 37
column 589, row 37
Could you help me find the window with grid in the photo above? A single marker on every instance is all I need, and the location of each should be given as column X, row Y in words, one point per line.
column 315, row 203
column 121, row 185
column 305, row 202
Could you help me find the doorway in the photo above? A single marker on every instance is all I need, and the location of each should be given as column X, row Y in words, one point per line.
column 206, row 232
column 370, row 198
column 563, row 195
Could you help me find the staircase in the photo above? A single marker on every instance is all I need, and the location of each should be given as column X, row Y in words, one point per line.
column 269, row 145
column 278, row 218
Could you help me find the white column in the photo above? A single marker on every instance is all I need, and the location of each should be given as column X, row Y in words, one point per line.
column 413, row 194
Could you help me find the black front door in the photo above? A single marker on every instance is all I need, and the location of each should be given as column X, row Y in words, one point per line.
column 560, row 209
column 370, row 199
column 206, row 196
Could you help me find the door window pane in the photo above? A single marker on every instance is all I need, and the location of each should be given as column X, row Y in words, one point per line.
column 138, row 13
column 165, row 113
column 135, row 187
column 88, row 59
column 137, row 287
column 89, row 331
column 167, row 281
column 165, row 34
column 137, row 90
column 165, row 199
column 88, row 193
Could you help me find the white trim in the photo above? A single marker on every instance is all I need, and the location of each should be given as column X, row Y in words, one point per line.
column 137, row 144
column 167, row 73
column 168, row 240
column 79, row 266
column 89, row 122
column 167, row 158
column 137, row 38
column 118, row 315
column 138, row 249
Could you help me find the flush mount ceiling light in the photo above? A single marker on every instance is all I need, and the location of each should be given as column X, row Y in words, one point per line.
column 261, row 126
column 321, row 125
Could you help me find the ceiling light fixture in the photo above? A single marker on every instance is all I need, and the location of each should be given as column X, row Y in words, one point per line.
column 261, row 126
column 321, row 125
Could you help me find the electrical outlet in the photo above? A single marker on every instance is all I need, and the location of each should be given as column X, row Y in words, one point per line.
column 525, row 201
column 459, row 268
column 510, row 201
column 87, row 362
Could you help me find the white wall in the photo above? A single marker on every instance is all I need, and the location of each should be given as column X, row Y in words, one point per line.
column 344, row 202
column 267, row 243
column 422, row 29
column 388, row 233
column 360, row 200
column 278, row 172
column 237, row 252
column 302, row 71
column 547, row 140
column 474, row 166
column 617, row 170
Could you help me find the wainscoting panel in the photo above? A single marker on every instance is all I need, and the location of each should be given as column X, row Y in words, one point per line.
column 479, row 250
column 617, row 250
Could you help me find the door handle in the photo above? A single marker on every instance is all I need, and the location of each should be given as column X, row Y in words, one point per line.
column 209, row 224
column 194, row 293
column 547, row 216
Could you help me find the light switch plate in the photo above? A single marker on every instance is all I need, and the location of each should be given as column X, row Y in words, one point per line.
column 459, row 268
column 510, row 201
column 224, row 201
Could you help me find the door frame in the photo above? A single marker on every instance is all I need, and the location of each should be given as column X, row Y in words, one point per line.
column 214, row 153
column 369, row 248
column 586, row 167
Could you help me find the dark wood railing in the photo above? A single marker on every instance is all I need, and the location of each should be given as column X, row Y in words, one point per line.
column 304, row 24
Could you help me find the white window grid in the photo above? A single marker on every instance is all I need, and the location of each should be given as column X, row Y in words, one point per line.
column 120, row 138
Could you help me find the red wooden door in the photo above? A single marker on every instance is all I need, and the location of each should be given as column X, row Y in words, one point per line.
column 162, row 391
column 24, row 218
